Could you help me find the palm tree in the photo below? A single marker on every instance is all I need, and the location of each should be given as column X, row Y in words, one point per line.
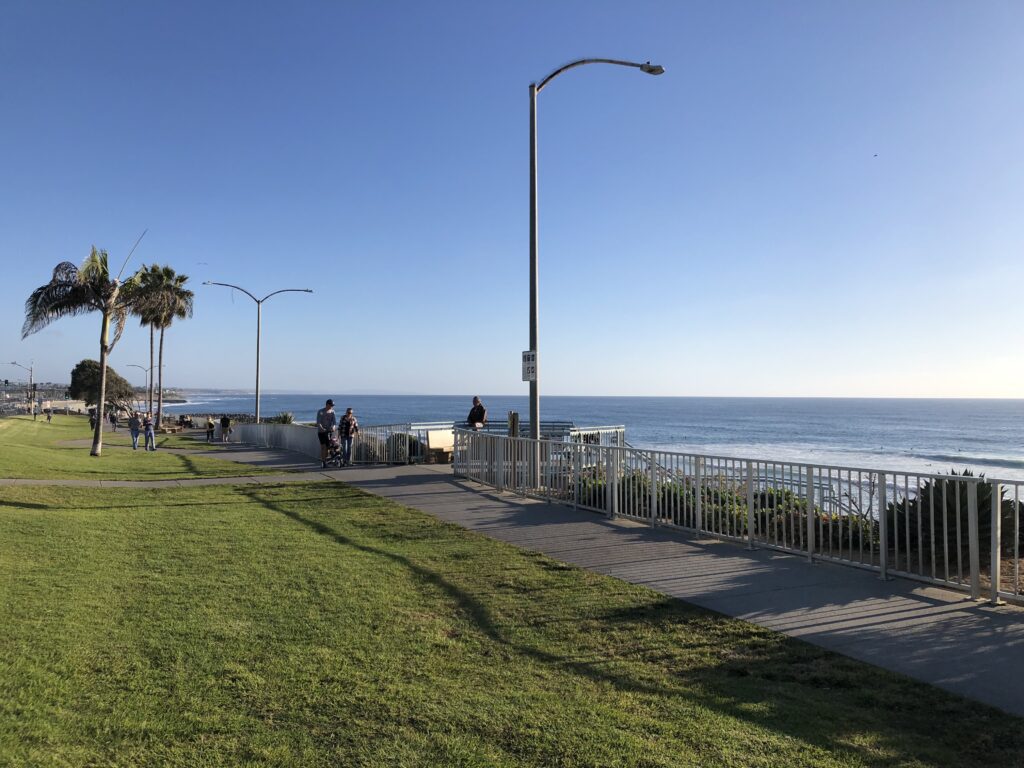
column 77, row 291
column 148, row 313
column 165, row 298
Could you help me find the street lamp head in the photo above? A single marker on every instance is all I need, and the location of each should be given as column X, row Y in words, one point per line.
column 652, row 69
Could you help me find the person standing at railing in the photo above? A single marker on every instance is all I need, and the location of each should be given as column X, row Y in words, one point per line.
column 348, row 428
column 326, row 422
column 477, row 415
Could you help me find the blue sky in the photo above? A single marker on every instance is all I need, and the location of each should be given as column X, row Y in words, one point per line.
column 815, row 199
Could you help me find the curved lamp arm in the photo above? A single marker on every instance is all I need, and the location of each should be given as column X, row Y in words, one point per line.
column 647, row 67
column 258, row 301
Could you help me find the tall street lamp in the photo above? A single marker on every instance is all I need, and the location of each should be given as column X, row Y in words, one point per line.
column 149, row 372
column 259, row 315
column 31, row 388
column 535, row 88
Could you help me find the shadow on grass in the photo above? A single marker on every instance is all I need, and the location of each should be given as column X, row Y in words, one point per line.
column 773, row 682
column 24, row 505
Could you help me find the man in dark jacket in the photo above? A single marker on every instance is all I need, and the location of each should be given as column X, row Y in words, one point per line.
column 477, row 415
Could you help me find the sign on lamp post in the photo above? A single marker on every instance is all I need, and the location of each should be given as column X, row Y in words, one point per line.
column 529, row 365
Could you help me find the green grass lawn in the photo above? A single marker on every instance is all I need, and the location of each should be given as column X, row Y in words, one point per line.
column 33, row 449
column 314, row 625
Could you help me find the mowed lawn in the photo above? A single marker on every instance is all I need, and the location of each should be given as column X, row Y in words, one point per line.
column 315, row 625
column 37, row 450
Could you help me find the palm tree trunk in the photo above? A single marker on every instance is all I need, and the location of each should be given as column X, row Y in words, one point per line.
column 150, row 369
column 97, row 435
column 160, row 386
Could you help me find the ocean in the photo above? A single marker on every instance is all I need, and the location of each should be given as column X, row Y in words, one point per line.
column 986, row 436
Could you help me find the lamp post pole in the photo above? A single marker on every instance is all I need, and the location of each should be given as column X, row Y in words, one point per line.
column 536, row 88
column 149, row 371
column 259, row 323
column 31, row 381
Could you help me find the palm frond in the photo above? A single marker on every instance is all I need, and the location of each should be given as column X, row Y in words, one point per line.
column 57, row 299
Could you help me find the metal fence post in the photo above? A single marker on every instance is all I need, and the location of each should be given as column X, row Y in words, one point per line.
column 883, row 531
column 810, row 513
column 972, row 540
column 750, row 506
column 995, row 564
column 609, row 510
column 577, row 460
column 499, row 463
column 654, row 491
column 616, row 457
column 698, row 493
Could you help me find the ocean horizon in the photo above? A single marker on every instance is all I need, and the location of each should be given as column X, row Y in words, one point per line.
column 934, row 435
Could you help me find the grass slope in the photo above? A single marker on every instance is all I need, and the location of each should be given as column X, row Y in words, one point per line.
column 316, row 625
column 32, row 449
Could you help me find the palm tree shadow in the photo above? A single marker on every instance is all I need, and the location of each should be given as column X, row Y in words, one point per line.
column 736, row 683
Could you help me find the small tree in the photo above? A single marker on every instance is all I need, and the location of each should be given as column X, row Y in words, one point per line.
column 85, row 385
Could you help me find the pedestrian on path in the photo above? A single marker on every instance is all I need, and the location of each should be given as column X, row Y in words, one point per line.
column 210, row 427
column 326, row 422
column 225, row 428
column 147, row 425
column 113, row 420
column 347, row 429
column 134, row 424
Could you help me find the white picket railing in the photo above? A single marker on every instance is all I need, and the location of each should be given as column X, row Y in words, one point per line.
column 928, row 527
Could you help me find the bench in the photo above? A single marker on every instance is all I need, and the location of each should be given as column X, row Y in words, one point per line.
column 440, row 445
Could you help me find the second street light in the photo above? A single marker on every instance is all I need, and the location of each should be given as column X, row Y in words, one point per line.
column 149, row 376
column 31, row 382
column 535, row 88
column 259, row 315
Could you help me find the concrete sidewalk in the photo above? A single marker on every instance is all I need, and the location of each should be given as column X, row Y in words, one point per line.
column 933, row 635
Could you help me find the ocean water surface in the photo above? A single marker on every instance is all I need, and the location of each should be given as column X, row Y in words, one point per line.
column 914, row 435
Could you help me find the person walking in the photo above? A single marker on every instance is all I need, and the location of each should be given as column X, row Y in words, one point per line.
column 326, row 422
column 348, row 428
column 225, row 428
column 113, row 420
column 147, row 426
column 134, row 424
column 477, row 417
column 49, row 415
column 210, row 427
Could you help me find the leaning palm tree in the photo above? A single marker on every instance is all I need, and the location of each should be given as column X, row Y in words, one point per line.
column 78, row 291
column 164, row 299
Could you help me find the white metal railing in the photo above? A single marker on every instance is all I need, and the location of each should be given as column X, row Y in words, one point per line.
column 929, row 527
column 1005, row 505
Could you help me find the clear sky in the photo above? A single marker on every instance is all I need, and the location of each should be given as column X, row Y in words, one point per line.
column 817, row 198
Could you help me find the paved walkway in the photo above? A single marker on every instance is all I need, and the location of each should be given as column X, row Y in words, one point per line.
column 930, row 634
column 934, row 635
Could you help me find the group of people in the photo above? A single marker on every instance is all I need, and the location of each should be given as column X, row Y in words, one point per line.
column 225, row 428
column 141, row 423
column 329, row 427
